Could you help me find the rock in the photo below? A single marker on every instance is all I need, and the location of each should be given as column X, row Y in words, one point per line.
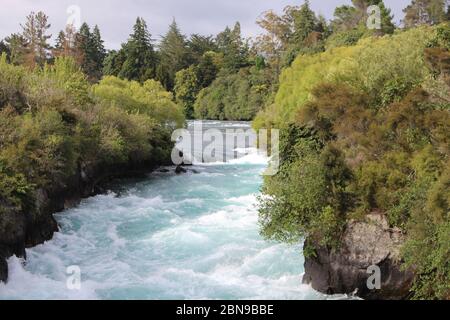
column 164, row 170
column 12, row 236
column 180, row 170
column 345, row 270
column 3, row 270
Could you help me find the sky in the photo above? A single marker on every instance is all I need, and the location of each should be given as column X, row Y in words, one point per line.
column 116, row 17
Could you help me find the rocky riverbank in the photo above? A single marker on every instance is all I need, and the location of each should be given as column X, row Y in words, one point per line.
column 26, row 228
column 345, row 270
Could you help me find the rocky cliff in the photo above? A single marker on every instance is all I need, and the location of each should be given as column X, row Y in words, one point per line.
column 345, row 270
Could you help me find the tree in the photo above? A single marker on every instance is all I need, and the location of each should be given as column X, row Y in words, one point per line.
column 276, row 38
column 174, row 56
column 66, row 44
column 16, row 48
column 305, row 21
column 99, row 50
column 140, row 62
column 186, row 90
column 345, row 18
column 199, row 45
column 421, row 12
column 206, row 70
column 35, row 34
column 113, row 62
column 234, row 48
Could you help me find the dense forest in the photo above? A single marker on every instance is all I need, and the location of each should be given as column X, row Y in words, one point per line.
column 366, row 129
column 364, row 115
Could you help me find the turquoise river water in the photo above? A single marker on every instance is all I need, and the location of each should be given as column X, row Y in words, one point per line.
column 168, row 236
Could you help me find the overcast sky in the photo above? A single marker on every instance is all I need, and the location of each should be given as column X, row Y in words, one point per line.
column 116, row 17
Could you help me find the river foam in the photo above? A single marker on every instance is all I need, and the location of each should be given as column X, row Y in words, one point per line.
column 192, row 236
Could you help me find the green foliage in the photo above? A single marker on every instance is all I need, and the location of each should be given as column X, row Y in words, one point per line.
column 52, row 122
column 140, row 62
column 149, row 98
column 344, row 38
column 12, row 84
column 237, row 96
column 234, row 48
column 428, row 247
column 307, row 196
column 421, row 12
column 186, row 89
column 174, row 56
column 367, row 138
column 91, row 50
column 378, row 66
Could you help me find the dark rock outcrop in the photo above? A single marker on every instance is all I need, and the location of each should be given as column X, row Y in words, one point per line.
column 180, row 170
column 345, row 270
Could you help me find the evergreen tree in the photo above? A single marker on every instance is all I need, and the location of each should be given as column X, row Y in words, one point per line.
column 99, row 50
column 234, row 48
column 16, row 48
column 36, row 37
column 89, row 46
column 66, row 44
column 347, row 18
column 199, row 45
column 174, row 56
column 206, row 71
column 305, row 22
column 4, row 49
column 140, row 62
column 85, row 46
column 421, row 12
column 113, row 62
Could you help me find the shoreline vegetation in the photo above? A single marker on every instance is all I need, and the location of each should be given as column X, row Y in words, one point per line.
column 364, row 116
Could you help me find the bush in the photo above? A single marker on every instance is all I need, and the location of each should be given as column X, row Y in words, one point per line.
column 66, row 124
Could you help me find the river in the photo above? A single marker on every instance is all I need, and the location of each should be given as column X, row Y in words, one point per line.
column 168, row 236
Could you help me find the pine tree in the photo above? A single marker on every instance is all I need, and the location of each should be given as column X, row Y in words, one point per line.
column 421, row 12
column 4, row 49
column 99, row 52
column 84, row 45
column 91, row 51
column 206, row 70
column 66, row 45
column 113, row 62
column 174, row 56
column 140, row 62
column 348, row 18
column 198, row 45
column 305, row 22
column 35, row 34
column 16, row 48
column 233, row 48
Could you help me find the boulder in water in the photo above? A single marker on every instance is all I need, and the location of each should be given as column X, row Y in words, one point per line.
column 180, row 170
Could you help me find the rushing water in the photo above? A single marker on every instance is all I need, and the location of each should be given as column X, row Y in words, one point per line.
column 190, row 236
